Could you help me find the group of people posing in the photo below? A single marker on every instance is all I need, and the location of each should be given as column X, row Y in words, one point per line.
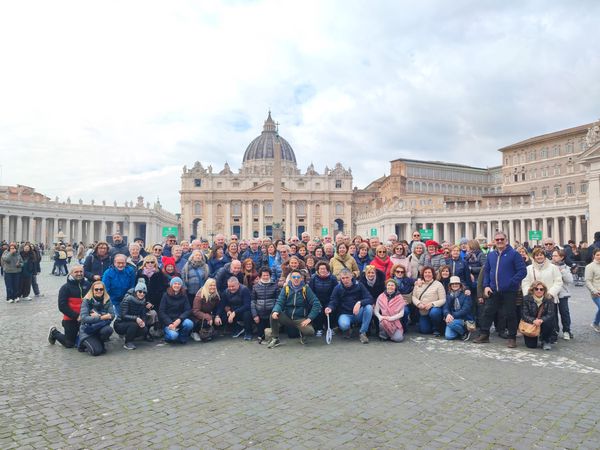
column 256, row 289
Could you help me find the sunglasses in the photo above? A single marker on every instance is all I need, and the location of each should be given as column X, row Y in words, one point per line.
column 416, row 235
column 380, row 253
column 549, row 244
column 150, row 262
column 98, row 290
column 539, row 289
column 296, row 277
column 500, row 239
column 399, row 271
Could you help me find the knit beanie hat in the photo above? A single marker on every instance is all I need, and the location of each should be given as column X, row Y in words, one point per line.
column 141, row 286
column 175, row 280
column 166, row 260
column 463, row 240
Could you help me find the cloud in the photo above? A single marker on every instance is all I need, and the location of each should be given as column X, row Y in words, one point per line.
column 110, row 100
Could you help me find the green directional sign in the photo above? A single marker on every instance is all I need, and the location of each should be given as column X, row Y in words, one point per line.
column 426, row 234
column 373, row 232
column 170, row 230
column 324, row 231
column 535, row 235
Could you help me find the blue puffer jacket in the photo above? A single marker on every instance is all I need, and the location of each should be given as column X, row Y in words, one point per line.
column 459, row 268
column 344, row 298
column 118, row 282
column 323, row 287
column 503, row 272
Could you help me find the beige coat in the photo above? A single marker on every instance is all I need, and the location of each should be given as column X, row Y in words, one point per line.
column 435, row 294
column 592, row 277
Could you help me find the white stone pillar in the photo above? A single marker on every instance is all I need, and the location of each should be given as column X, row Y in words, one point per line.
column 227, row 219
column 293, row 224
column 250, row 220
column 477, row 229
column 567, row 230
column 544, row 228
column 511, row 231
column 149, row 239
column 288, row 220
column 309, row 220
column 523, row 233
column 489, row 235
column 5, row 225
column 19, row 234
column 578, row 229
column 445, row 233
column 131, row 233
column 43, row 231
column 103, row 230
column 261, row 219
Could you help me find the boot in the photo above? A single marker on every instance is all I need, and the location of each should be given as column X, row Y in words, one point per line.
column 511, row 343
column 482, row 339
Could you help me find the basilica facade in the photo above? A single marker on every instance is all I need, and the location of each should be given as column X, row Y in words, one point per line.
column 241, row 202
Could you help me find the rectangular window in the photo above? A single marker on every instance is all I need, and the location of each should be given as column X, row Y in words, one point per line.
column 197, row 182
column 583, row 188
column 557, row 189
column 338, row 184
column 523, row 176
column 570, row 189
column 544, row 192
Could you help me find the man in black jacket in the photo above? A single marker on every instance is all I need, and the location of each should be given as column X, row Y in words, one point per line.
column 69, row 303
column 235, row 306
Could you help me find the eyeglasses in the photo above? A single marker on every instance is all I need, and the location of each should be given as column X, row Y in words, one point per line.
column 150, row 262
column 98, row 290
column 399, row 271
column 499, row 239
column 416, row 235
column 539, row 289
column 380, row 253
column 296, row 277
column 138, row 292
column 548, row 243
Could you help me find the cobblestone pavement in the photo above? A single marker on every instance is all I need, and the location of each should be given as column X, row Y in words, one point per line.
column 423, row 393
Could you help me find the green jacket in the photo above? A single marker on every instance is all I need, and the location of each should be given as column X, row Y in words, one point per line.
column 298, row 304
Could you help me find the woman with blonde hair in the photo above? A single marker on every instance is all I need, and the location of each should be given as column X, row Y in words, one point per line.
column 539, row 309
column 96, row 315
column 203, row 311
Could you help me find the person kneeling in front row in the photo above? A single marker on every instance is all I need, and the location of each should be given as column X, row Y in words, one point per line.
column 538, row 298
column 174, row 313
column 97, row 313
column 297, row 306
column 390, row 309
column 457, row 311
column 136, row 316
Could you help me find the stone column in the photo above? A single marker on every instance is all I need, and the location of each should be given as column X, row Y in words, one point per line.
column 79, row 234
column 43, row 231
column 577, row 228
column 489, row 234
column 523, row 233
column 103, row 229
column 445, row 233
column 511, row 231
column 227, row 220
column 131, row 233
column 261, row 219
column 288, row 220
column 567, row 230
column 30, row 229
column 5, row 225
column 309, row 220
column 544, row 228
column 19, row 234
column 250, row 220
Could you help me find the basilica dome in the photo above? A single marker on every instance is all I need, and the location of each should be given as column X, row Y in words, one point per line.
column 262, row 148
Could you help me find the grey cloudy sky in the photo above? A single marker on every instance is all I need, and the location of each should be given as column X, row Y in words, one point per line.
column 108, row 100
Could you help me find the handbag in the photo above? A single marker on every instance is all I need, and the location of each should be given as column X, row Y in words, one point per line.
column 206, row 331
column 529, row 329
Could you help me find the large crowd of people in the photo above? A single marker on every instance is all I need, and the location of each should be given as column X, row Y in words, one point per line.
column 256, row 289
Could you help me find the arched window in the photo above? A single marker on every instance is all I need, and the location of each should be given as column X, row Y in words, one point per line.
column 236, row 208
column 339, row 209
column 268, row 208
column 301, row 208
column 430, row 187
column 197, row 208
column 410, row 186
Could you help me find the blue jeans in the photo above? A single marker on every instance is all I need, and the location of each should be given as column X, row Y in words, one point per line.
column 455, row 329
column 363, row 317
column 430, row 322
column 596, row 300
column 181, row 334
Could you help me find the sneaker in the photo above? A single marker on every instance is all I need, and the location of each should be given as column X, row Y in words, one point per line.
column 436, row 333
column 129, row 346
column 10, row 300
column 547, row 346
column 238, row 334
column 319, row 333
column 363, row 338
column 466, row 336
column 39, row 295
column 596, row 327
column 259, row 339
column 567, row 336
column 17, row 300
column 26, row 298
column 196, row 337
column 482, row 339
column 247, row 337
column 51, row 338
column 274, row 342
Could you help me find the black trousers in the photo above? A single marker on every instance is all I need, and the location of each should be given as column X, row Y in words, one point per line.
column 130, row 329
column 545, row 334
column 506, row 303
column 68, row 338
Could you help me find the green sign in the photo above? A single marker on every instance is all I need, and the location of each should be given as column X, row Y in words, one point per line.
column 535, row 235
column 426, row 234
column 373, row 232
column 324, row 231
column 170, row 230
